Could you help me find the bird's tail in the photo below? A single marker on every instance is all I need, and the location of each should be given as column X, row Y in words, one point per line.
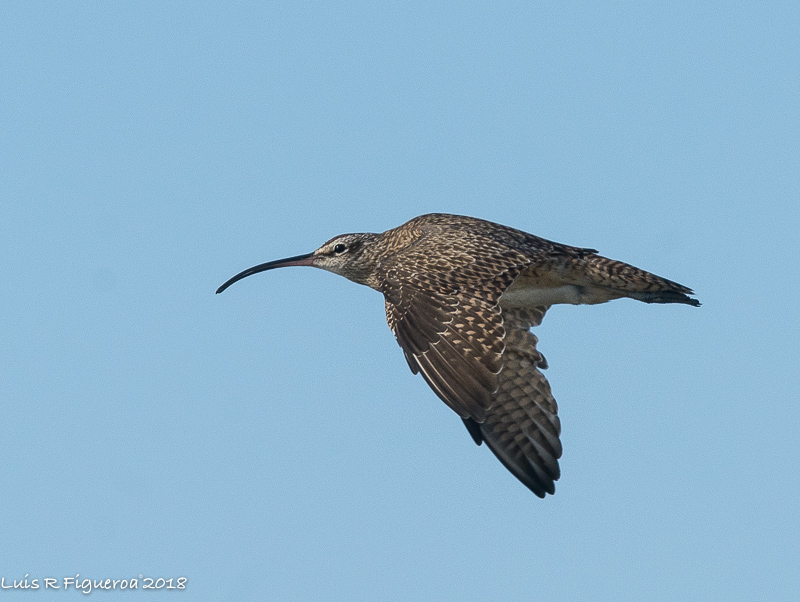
column 629, row 281
column 665, row 297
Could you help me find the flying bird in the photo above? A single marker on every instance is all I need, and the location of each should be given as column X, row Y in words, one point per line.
column 461, row 296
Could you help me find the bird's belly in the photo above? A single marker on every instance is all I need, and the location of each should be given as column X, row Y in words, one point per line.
column 531, row 296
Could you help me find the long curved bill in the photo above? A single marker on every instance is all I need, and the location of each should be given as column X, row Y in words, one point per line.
column 306, row 259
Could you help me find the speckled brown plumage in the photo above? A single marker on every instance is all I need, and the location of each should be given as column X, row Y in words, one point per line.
column 521, row 424
column 461, row 295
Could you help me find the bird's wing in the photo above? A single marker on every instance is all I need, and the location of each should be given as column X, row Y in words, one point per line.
column 521, row 425
column 480, row 359
column 455, row 342
column 444, row 310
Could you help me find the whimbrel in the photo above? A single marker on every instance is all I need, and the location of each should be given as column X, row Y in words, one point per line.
column 461, row 296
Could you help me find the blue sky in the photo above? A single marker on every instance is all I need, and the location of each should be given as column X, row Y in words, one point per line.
column 270, row 443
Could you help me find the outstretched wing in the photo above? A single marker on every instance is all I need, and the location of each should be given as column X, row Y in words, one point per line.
column 521, row 424
column 455, row 342
column 443, row 306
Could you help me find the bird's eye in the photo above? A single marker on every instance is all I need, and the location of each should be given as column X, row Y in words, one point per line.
column 340, row 248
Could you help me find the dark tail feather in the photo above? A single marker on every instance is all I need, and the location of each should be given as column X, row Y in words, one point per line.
column 665, row 297
column 636, row 283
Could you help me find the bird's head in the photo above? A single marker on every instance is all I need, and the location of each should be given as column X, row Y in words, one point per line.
column 350, row 255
